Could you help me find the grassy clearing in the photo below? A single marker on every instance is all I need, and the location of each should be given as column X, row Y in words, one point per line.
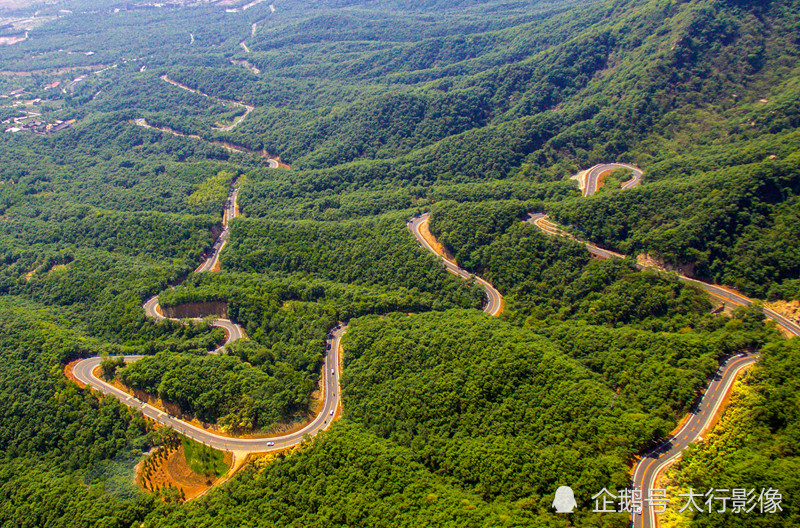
column 204, row 460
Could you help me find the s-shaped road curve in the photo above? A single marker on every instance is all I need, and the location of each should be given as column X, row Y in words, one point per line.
column 84, row 372
column 494, row 301
column 84, row 369
column 649, row 466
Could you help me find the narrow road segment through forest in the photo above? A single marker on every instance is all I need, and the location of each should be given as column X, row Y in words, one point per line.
column 710, row 404
column 84, row 371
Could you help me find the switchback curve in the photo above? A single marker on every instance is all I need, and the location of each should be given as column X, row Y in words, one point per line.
column 709, row 406
column 588, row 179
column 84, row 372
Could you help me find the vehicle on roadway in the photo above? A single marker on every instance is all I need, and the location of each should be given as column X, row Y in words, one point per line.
column 331, row 412
column 332, row 372
column 270, row 443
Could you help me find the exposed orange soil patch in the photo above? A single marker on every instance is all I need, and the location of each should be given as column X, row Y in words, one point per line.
column 217, row 266
column 236, row 461
column 425, row 231
column 70, row 375
column 169, row 468
column 788, row 309
column 158, row 403
column 601, row 180
column 29, row 275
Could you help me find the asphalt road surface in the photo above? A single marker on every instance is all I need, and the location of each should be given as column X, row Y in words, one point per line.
column 83, row 371
column 222, row 239
column 593, row 174
column 540, row 220
column 647, row 469
column 494, row 301
column 644, row 473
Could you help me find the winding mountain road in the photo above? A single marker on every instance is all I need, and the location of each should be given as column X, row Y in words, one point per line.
column 541, row 221
column 645, row 471
column 699, row 420
column 247, row 108
column 494, row 301
column 84, row 372
column 648, row 467
column 590, row 177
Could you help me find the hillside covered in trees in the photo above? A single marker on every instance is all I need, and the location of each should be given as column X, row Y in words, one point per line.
column 378, row 110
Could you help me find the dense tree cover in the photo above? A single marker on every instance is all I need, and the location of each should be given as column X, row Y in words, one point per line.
column 377, row 269
column 222, row 389
column 288, row 319
column 277, row 195
column 367, row 252
column 736, row 226
column 213, row 190
column 119, row 166
column 44, row 416
column 553, row 278
column 754, row 446
column 509, row 417
column 146, row 235
column 50, row 430
column 386, row 109
column 649, row 370
column 349, row 477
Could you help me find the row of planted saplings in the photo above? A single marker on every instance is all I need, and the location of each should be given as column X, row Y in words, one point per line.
column 153, row 462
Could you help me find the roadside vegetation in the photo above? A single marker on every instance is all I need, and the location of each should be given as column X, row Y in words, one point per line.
column 478, row 112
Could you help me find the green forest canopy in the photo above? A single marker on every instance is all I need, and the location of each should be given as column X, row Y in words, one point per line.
column 478, row 111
